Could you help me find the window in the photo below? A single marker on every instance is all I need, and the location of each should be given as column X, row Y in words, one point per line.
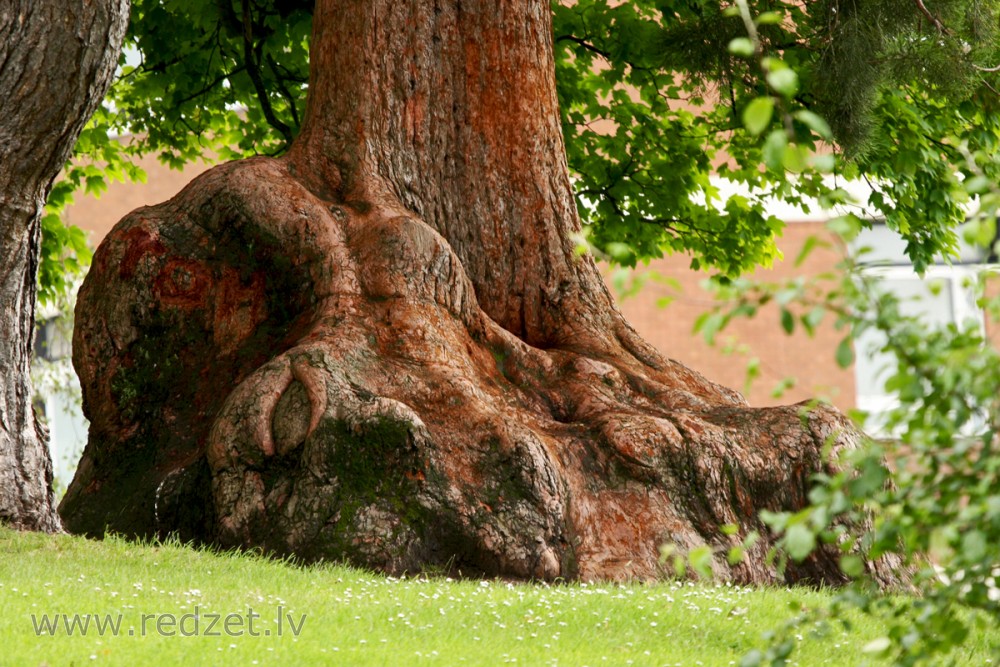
column 945, row 295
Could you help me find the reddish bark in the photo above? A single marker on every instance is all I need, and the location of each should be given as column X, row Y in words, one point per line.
column 384, row 348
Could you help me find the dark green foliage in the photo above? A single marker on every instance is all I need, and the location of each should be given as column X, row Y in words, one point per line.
column 651, row 71
column 676, row 98
column 226, row 76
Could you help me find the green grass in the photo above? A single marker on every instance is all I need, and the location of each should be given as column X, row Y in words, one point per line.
column 353, row 617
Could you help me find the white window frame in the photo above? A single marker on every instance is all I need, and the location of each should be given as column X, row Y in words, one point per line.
column 963, row 309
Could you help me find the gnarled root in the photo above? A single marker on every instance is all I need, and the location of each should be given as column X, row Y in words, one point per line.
column 328, row 368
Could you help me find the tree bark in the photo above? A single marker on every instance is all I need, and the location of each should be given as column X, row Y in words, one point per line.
column 56, row 62
column 384, row 348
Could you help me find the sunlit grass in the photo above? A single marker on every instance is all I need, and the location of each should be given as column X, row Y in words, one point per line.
column 351, row 617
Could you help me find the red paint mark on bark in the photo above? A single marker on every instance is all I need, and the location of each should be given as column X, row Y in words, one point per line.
column 182, row 283
column 140, row 242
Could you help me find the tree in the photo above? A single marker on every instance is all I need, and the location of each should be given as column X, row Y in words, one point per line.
column 382, row 345
column 56, row 62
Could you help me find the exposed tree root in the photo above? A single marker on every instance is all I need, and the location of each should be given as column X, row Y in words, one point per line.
column 267, row 368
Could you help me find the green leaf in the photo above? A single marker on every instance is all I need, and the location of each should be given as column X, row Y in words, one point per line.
column 619, row 251
column 795, row 158
column 769, row 18
column 774, row 149
column 741, row 46
column 812, row 319
column 735, row 555
column 784, row 81
column 823, row 163
column 811, row 242
column 709, row 324
column 799, row 541
column 757, row 115
column 753, row 372
column 700, row 559
column 852, row 565
column 845, row 353
column 669, row 553
column 782, row 386
column 977, row 185
column 787, row 321
column 814, row 122
column 775, row 520
column 845, row 226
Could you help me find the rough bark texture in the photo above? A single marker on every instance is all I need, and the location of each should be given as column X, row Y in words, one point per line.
column 383, row 347
column 56, row 62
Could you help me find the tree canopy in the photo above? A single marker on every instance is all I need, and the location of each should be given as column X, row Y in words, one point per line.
column 907, row 87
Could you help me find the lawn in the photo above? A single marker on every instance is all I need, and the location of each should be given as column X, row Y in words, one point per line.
column 174, row 605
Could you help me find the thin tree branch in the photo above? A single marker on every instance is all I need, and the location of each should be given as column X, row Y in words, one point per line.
column 585, row 44
column 283, row 89
column 253, row 70
column 218, row 80
column 941, row 27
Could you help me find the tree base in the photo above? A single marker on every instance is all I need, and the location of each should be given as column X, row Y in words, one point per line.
column 266, row 366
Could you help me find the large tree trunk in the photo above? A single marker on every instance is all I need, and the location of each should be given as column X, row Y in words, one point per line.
column 56, row 62
column 383, row 347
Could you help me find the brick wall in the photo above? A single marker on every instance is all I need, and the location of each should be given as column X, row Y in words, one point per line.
column 98, row 216
column 809, row 360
